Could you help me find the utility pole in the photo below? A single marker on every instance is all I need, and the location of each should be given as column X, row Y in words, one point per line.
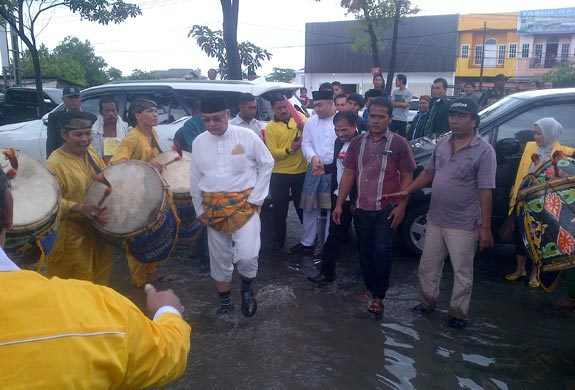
column 392, row 59
column 482, row 56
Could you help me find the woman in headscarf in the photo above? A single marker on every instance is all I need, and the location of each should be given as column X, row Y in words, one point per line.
column 546, row 132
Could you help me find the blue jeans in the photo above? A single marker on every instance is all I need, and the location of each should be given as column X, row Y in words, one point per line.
column 375, row 237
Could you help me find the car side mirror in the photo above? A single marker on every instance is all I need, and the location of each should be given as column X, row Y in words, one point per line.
column 508, row 147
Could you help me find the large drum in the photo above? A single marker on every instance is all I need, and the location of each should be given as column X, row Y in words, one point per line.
column 546, row 203
column 141, row 211
column 36, row 210
column 177, row 174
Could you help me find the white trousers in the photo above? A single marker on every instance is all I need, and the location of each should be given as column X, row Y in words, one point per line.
column 310, row 219
column 241, row 248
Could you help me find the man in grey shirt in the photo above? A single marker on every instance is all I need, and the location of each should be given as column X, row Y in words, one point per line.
column 462, row 172
column 246, row 115
column 401, row 100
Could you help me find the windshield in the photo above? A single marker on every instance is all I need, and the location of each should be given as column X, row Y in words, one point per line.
column 493, row 111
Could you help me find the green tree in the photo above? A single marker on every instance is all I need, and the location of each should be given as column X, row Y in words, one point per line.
column 281, row 74
column 54, row 66
column 138, row 74
column 22, row 17
column 561, row 76
column 114, row 74
column 94, row 66
column 214, row 45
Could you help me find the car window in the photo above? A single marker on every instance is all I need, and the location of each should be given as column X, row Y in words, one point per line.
column 91, row 106
column 19, row 96
column 521, row 126
column 169, row 107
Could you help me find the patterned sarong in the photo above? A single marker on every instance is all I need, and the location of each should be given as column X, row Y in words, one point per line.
column 228, row 211
column 316, row 191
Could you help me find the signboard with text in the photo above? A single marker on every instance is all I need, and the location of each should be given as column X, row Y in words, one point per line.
column 546, row 21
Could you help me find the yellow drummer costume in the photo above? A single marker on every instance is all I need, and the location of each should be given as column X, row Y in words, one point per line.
column 71, row 334
column 80, row 251
column 137, row 145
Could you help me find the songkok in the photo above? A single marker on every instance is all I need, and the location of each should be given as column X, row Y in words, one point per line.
column 213, row 104
column 322, row 95
column 139, row 105
column 76, row 120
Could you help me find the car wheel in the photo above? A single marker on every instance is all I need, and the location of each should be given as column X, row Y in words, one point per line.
column 413, row 229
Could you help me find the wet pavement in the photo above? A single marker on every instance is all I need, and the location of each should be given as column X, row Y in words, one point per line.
column 304, row 337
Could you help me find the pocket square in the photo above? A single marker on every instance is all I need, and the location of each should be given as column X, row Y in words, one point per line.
column 238, row 149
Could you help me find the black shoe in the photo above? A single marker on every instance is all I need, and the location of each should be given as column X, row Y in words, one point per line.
column 277, row 246
column 227, row 309
column 457, row 323
column 320, row 279
column 299, row 247
column 421, row 309
column 249, row 304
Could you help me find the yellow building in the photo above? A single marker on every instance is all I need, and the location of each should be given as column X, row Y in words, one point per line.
column 501, row 47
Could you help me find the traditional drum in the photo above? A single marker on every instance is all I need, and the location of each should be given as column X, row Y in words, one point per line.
column 546, row 205
column 36, row 210
column 177, row 174
column 140, row 209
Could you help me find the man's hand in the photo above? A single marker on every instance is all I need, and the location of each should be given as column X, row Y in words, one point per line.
column 315, row 162
column 92, row 212
column 296, row 144
column 159, row 167
column 399, row 195
column 485, row 238
column 203, row 218
column 336, row 215
column 396, row 216
column 155, row 299
column 318, row 171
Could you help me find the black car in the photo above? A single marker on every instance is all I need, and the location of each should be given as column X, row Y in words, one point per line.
column 20, row 104
column 508, row 126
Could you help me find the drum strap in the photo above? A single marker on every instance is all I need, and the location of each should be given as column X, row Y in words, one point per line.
column 93, row 164
column 155, row 144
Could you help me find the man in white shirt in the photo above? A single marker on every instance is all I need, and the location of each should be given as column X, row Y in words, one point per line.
column 317, row 146
column 230, row 171
column 108, row 130
column 246, row 116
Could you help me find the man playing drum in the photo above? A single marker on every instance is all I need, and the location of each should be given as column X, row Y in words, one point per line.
column 80, row 251
column 230, row 171
column 141, row 143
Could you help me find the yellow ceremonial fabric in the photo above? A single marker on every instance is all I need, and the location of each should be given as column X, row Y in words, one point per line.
column 279, row 137
column 525, row 163
column 80, row 251
column 71, row 334
column 111, row 145
column 136, row 146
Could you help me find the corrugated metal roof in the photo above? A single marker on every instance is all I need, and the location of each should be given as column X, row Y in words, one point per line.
column 426, row 44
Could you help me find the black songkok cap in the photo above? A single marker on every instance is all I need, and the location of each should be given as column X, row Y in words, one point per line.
column 76, row 120
column 213, row 104
column 323, row 94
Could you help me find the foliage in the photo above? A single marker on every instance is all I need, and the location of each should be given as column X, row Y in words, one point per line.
column 114, row 74
column 54, row 66
column 561, row 76
column 212, row 43
column 281, row 74
column 138, row 74
column 72, row 48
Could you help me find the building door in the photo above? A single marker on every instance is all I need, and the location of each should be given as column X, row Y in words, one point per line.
column 551, row 50
column 490, row 53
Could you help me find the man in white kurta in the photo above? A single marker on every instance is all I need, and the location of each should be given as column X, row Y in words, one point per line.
column 230, row 171
column 317, row 146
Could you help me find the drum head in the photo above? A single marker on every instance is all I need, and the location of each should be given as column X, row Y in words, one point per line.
column 136, row 198
column 35, row 191
column 176, row 173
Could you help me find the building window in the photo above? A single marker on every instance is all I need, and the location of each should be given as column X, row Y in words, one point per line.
column 478, row 55
column 564, row 52
column 464, row 51
column 525, row 50
column 501, row 54
column 512, row 50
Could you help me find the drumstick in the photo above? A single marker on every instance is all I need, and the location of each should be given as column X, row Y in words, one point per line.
column 107, row 193
column 102, row 179
column 177, row 158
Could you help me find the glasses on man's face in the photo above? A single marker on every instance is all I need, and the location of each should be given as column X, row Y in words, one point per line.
column 215, row 118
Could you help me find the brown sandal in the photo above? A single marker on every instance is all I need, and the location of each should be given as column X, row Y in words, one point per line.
column 376, row 307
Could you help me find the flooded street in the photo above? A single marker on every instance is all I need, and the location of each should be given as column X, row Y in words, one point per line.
column 304, row 337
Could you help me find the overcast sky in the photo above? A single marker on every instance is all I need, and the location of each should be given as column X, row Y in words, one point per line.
column 158, row 39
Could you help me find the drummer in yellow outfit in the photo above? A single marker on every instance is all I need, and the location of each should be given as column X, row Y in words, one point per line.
column 80, row 251
column 141, row 143
column 546, row 132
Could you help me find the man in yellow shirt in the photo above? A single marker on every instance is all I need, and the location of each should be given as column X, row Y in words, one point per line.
column 283, row 139
column 72, row 334
column 141, row 143
column 80, row 251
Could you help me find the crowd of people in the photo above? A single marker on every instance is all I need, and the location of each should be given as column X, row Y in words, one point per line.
column 355, row 168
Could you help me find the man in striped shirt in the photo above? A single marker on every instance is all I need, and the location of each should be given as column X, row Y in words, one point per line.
column 378, row 162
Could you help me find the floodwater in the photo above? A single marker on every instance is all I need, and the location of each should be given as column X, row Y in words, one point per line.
column 304, row 337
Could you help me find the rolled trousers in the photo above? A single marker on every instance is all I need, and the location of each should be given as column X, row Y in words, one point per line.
column 460, row 245
column 241, row 248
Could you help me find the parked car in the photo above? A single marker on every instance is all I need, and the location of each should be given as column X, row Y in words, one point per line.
column 507, row 125
column 174, row 98
column 413, row 109
column 21, row 104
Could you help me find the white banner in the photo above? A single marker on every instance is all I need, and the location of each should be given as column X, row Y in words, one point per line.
column 4, row 56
